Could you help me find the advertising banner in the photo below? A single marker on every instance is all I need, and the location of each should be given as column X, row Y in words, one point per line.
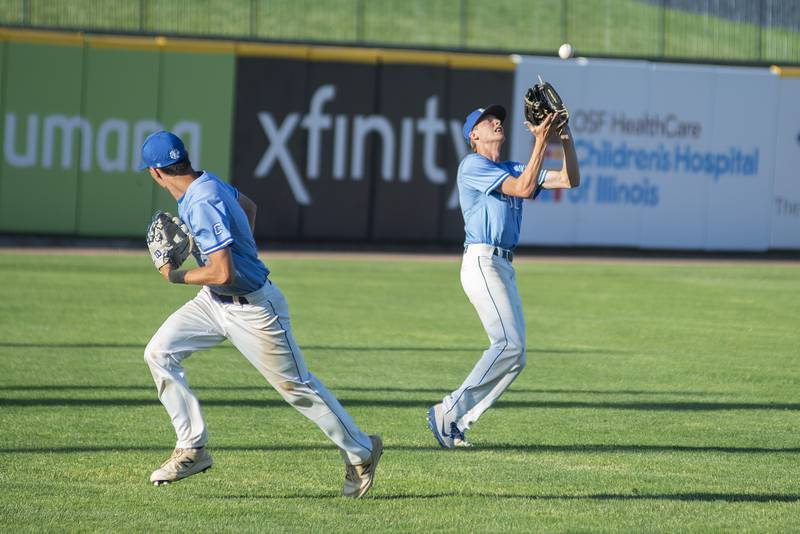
column 668, row 156
column 785, row 206
column 356, row 150
column 39, row 172
column 131, row 94
column 75, row 116
column 364, row 144
column 120, row 110
column 196, row 102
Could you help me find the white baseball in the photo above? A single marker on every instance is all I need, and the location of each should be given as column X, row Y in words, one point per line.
column 565, row 51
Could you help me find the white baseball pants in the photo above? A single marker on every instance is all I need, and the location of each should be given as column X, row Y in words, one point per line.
column 491, row 286
column 261, row 331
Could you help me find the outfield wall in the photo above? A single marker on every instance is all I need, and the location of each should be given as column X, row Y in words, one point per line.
column 363, row 144
column 332, row 143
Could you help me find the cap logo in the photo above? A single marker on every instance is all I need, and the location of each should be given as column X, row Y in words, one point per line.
column 174, row 153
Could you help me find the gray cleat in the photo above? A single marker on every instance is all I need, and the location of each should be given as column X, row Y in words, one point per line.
column 358, row 479
column 183, row 463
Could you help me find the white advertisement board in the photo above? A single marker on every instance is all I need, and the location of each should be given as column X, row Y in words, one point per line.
column 671, row 156
column 786, row 199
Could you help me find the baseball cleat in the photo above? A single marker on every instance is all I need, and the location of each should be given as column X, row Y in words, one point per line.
column 459, row 439
column 358, row 479
column 436, row 424
column 183, row 463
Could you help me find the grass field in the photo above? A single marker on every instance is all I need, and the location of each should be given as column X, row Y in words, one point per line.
column 657, row 398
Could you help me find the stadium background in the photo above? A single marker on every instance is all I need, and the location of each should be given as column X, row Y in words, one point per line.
column 324, row 113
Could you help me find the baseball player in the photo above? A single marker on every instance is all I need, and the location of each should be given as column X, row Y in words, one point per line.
column 238, row 302
column 491, row 193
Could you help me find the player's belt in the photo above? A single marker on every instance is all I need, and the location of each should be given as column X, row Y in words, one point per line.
column 229, row 299
column 496, row 251
column 503, row 253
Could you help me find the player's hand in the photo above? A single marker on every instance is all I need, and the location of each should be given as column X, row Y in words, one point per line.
column 546, row 128
column 164, row 270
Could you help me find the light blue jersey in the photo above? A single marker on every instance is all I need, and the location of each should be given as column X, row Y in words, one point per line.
column 211, row 210
column 490, row 217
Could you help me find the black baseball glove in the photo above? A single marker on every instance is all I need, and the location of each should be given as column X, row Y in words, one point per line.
column 542, row 100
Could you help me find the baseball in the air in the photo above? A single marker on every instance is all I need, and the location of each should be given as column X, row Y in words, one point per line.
column 565, row 51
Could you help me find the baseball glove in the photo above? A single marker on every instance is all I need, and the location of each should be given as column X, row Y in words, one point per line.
column 169, row 240
column 542, row 100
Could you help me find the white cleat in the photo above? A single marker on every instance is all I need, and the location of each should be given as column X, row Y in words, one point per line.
column 358, row 479
column 183, row 463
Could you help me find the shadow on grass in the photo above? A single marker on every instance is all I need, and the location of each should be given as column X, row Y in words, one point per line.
column 674, row 406
column 691, row 497
column 266, row 387
column 477, row 350
column 489, row 447
column 688, row 497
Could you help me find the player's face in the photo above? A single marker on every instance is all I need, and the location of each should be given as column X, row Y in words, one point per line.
column 490, row 129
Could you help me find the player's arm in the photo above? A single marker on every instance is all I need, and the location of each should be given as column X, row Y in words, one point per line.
column 569, row 175
column 217, row 272
column 250, row 209
column 525, row 184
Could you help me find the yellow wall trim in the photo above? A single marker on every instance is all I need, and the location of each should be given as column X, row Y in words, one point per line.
column 344, row 54
column 42, row 37
column 247, row 49
column 279, row 51
column 785, row 72
column 482, row 62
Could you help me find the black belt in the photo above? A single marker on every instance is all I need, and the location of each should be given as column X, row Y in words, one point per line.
column 229, row 299
column 501, row 252
column 505, row 254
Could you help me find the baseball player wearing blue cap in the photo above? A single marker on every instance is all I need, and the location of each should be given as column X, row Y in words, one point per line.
column 491, row 193
column 238, row 302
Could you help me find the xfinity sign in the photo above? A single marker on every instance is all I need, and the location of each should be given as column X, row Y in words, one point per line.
column 346, row 137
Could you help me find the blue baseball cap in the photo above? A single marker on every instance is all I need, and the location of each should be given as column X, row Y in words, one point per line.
column 476, row 116
column 162, row 149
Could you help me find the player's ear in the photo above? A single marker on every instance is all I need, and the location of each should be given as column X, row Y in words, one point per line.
column 157, row 176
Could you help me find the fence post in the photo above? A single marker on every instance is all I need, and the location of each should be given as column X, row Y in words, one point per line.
column 463, row 36
column 360, row 6
column 26, row 12
column 759, row 34
column 662, row 42
column 253, row 18
column 142, row 15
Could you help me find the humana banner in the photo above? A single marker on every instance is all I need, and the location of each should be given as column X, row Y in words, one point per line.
column 72, row 122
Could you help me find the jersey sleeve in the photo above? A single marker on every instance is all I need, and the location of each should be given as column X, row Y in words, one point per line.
column 481, row 174
column 211, row 226
column 232, row 190
column 518, row 168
